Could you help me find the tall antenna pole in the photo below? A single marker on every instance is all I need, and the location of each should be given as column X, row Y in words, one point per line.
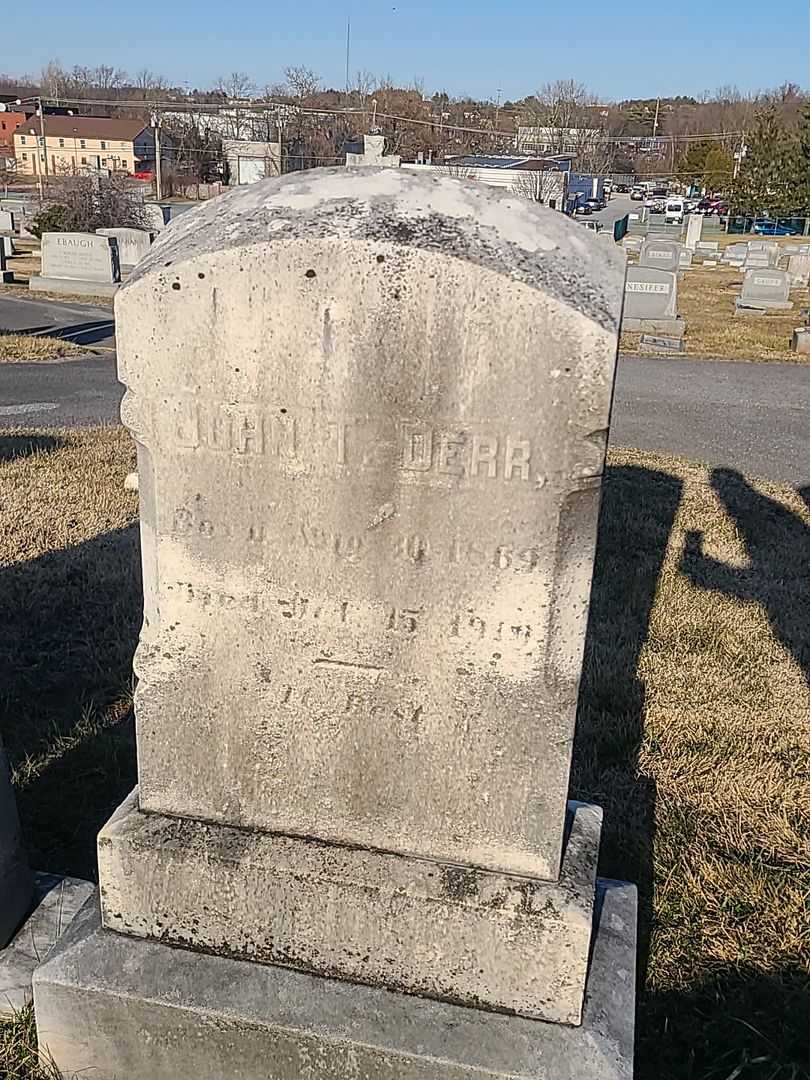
column 348, row 47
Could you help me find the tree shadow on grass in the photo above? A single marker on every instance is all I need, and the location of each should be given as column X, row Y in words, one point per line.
column 71, row 622
column 19, row 446
column 777, row 544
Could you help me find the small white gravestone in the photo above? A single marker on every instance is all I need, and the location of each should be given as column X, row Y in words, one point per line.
column 694, row 230
column 6, row 221
column 82, row 263
column 764, row 290
column 707, row 246
column 133, row 244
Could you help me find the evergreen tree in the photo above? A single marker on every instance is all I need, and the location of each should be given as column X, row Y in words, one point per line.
column 801, row 166
column 766, row 181
column 718, row 169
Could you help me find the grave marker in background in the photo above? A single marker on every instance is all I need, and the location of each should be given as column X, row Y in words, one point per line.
column 660, row 254
column 133, row 245
column 765, row 289
column 694, row 230
column 366, row 582
column 82, row 263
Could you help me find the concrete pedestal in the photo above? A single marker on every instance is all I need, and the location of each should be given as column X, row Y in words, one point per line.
column 115, row 1007
column 72, row 287
column 56, row 901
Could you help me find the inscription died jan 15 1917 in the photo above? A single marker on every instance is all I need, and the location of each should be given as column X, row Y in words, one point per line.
column 389, row 500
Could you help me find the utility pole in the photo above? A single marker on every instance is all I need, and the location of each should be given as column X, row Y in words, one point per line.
column 44, row 143
column 158, row 184
column 497, row 114
column 655, row 121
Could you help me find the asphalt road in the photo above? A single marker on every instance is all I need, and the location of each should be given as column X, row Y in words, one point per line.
column 751, row 417
column 81, row 323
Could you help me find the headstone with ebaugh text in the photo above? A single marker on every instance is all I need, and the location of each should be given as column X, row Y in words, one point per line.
column 82, row 263
column 368, row 537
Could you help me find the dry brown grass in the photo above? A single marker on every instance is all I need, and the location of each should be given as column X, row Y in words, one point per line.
column 23, row 348
column 694, row 729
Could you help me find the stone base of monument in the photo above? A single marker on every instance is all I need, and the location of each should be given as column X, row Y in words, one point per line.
column 667, row 327
column 73, row 286
column 109, row 1006
column 760, row 307
column 366, row 916
column 657, row 343
column 56, row 902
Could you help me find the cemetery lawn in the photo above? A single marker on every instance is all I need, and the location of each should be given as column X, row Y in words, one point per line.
column 714, row 332
column 21, row 348
column 694, row 730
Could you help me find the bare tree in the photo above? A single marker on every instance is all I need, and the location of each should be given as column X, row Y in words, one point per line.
column 238, row 86
column 150, row 85
column 84, row 203
column 302, row 82
column 538, row 185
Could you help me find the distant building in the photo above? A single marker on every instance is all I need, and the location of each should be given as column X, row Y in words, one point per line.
column 249, row 161
column 75, row 144
column 542, row 180
column 547, row 140
column 9, row 122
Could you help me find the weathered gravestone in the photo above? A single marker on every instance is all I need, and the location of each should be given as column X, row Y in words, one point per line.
column 7, row 244
column 707, row 247
column 735, row 254
column 768, row 247
column 763, row 290
column 81, row 263
column 651, row 302
column 660, row 254
column 6, row 221
column 368, row 536
column 133, row 244
column 799, row 271
column 694, row 230
column 34, row 908
column 685, row 259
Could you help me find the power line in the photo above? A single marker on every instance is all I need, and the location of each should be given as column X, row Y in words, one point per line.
column 271, row 107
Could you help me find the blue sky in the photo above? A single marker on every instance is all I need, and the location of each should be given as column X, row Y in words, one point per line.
column 473, row 46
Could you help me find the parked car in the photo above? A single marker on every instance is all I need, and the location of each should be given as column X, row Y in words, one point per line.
column 582, row 208
column 621, row 189
column 766, row 227
column 596, row 204
column 637, row 193
column 594, row 226
column 674, row 210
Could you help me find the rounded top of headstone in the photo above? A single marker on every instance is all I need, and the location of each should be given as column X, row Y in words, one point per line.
column 460, row 219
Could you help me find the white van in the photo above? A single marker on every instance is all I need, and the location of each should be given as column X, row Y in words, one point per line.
column 674, row 210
